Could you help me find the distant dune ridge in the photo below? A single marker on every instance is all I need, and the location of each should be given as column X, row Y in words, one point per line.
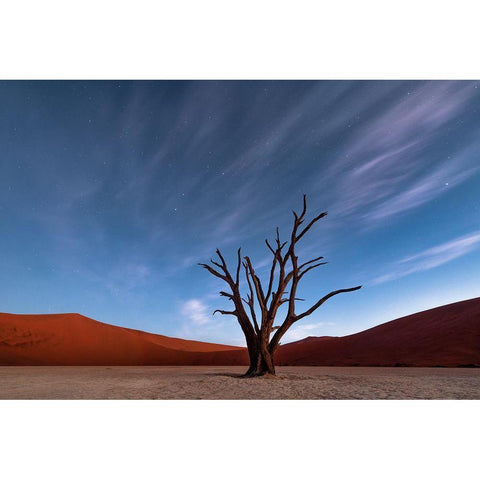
column 447, row 336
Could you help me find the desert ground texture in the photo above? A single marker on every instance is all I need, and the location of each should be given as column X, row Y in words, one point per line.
column 208, row 382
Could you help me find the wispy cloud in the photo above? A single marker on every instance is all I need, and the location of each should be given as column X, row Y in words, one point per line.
column 431, row 257
column 430, row 186
column 196, row 312
column 387, row 167
column 198, row 323
column 219, row 195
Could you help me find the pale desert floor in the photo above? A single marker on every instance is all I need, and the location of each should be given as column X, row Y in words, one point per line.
column 223, row 383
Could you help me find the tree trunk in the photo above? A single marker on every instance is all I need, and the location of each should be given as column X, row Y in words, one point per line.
column 261, row 361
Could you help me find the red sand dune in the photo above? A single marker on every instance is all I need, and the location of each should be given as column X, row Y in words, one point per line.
column 447, row 336
column 443, row 336
column 72, row 339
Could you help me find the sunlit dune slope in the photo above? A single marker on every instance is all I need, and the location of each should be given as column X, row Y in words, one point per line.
column 72, row 339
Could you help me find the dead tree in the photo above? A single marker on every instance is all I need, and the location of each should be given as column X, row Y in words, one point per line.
column 263, row 303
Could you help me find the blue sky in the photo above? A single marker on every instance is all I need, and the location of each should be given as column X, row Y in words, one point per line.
column 112, row 192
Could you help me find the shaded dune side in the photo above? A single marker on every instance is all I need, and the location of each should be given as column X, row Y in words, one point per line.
column 446, row 336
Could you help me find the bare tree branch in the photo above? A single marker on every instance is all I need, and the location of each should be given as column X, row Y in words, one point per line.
column 223, row 266
column 239, row 264
column 225, row 312
column 311, row 268
column 270, row 247
column 284, row 300
column 272, row 275
column 324, row 299
column 256, row 283
column 226, row 294
column 299, row 218
column 222, row 259
column 310, row 261
column 307, row 228
column 216, row 263
column 250, row 301
column 213, row 271
column 304, row 211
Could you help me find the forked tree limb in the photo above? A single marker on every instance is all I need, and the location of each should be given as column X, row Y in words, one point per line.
column 307, row 228
column 213, row 271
